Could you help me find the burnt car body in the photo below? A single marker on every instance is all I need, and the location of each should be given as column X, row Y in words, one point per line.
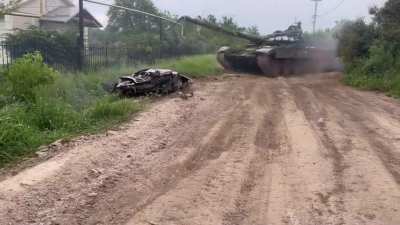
column 151, row 81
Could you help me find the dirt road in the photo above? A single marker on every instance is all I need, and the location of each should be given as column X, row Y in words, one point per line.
column 244, row 150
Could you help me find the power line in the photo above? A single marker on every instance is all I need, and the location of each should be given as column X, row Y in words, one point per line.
column 133, row 10
column 333, row 9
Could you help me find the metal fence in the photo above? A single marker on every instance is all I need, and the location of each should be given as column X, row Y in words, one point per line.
column 94, row 57
column 9, row 54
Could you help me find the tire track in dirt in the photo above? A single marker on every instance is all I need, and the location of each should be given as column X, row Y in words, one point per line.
column 251, row 206
column 367, row 126
column 312, row 153
column 314, row 199
column 366, row 181
column 204, row 144
column 317, row 116
column 372, row 101
column 226, row 169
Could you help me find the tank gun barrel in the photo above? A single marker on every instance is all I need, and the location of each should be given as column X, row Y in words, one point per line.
column 199, row 22
column 293, row 34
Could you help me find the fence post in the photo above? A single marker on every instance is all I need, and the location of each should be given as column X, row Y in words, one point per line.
column 161, row 38
column 81, row 44
column 106, row 55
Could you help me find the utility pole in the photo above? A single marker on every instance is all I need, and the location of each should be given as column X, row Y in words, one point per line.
column 161, row 39
column 81, row 44
column 315, row 14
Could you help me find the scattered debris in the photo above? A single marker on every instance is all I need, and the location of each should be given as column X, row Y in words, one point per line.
column 111, row 133
column 151, row 81
column 24, row 184
column 93, row 194
column 42, row 154
column 95, row 172
column 185, row 95
column 56, row 144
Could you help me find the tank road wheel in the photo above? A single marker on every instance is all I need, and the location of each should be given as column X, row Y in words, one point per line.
column 269, row 66
column 288, row 67
column 222, row 60
column 299, row 67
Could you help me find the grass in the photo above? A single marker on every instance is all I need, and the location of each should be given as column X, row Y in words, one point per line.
column 388, row 83
column 194, row 66
column 389, row 86
column 378, row 71
column 74, row 104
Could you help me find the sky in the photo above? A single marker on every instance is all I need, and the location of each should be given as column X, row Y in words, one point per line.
column 267, row 15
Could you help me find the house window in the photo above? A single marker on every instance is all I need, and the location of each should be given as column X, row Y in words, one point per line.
column 2, row 22
column 2, row 28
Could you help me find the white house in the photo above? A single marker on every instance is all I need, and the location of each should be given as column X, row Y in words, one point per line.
column 54, row 15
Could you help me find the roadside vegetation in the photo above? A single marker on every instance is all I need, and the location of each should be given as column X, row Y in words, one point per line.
column 38, row 105
column 194, row 66
column 371, row 51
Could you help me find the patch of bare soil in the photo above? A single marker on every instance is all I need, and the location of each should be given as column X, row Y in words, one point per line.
column 243, row 150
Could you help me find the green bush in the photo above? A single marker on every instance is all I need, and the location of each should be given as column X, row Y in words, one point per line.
column 378, row 72
column 380, row 60
column 371, row 52
column 51, row 114
column 57, row 48
column 50, row 107
column 17, row 136
column 28, row 73
column 354, row 39
column 394, row 89
column 38, row 107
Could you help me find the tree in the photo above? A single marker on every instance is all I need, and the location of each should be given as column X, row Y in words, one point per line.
column 230, row 24
column 387, row 20
column 354, row 39
column 11, row 6
column 140, row 33
column 212, row 19
column 253, row 30
column 324, row 39
column 126, row 21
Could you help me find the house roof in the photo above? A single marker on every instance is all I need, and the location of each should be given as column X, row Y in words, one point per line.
column 24, row 2
column 64, row 14
column 68, row 13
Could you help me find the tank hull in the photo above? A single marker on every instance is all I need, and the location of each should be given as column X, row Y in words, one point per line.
column 239, row 63
column 312, row 61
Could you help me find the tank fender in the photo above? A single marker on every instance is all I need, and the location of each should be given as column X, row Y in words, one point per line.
column 223, row 49
column 265, row 51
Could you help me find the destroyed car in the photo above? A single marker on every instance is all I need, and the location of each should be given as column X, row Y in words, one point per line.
column 151, row 81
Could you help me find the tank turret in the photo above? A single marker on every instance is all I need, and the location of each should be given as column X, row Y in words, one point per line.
column 279, row 53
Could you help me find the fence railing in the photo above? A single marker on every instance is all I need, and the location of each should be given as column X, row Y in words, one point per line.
column 94, row 57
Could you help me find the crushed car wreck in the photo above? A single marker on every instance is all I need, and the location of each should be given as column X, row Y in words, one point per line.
column 151, row 81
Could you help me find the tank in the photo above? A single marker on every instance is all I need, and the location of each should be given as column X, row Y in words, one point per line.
column 280, row 53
